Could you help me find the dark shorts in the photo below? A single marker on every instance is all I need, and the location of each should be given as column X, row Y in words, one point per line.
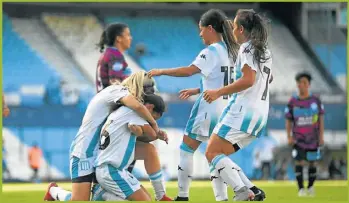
column 90, row 178
column 300, row 154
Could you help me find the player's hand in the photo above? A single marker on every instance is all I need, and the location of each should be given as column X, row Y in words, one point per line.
column 137, row 130
column 155, row 127
column 155, row 72
column 290, row 141
column 5, row 111
column 322, row 142
column 162, row 135
column 186, row 93
column 211, row 95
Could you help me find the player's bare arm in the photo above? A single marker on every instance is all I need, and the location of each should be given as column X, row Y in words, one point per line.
column 136, row 130
column 288, row 131
column 176, row 72
column 131, row 102
column 322, row 128
column 186, row 93
column 149, row 134
column 246, row 81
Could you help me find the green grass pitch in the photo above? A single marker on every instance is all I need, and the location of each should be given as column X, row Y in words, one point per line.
column 201, row 191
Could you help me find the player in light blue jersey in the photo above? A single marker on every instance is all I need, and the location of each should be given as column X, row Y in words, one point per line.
column 212, row 64
column 246, row 115
column 117, row 150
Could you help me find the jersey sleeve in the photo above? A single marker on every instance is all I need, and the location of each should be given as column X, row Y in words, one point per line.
column 289, row 111
column 137, row 120
column 246, row 57
column 118, row 92
column 207, row 60
column 321, row 107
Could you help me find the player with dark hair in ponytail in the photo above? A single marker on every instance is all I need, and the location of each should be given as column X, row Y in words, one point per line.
column 112, row 66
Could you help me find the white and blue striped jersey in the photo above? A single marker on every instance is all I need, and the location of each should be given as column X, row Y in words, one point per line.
column 117, row 143
column 214, row 63
column 86, row 141
column 247, row 111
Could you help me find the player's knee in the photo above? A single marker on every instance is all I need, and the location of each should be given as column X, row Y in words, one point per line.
column 312, row 164
column 210, row 155
column 186, row 148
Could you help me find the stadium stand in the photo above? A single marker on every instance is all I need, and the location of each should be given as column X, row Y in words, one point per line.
column 34, row 33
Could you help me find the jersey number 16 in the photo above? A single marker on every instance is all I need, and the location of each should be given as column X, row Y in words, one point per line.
column 228, row 77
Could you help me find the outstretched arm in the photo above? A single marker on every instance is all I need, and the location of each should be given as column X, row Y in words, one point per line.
column 175, row 72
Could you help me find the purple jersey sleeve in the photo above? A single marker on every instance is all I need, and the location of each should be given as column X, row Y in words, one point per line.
column 288, row 110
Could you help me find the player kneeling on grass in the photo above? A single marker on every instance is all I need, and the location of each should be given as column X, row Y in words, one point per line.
column 117, row 150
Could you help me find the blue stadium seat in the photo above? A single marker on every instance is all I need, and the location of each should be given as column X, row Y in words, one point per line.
column 181, row 50
column 21, row 65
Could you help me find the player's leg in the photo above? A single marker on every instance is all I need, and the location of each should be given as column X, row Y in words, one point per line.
column 120, row 183
column 226, row 168
column 185, row 166
column 82, row 174
column 312, row 177
column 148, row 153
column 299, row 156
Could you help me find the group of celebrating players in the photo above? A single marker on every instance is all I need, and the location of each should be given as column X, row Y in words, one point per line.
column 120, row 120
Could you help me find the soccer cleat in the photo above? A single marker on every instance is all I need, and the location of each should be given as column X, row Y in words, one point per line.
column 48, row 196
column 302, row 193
column 181, row 199
column 244, row 194
column 311, row 191
column 259, row 195
column 165, row 198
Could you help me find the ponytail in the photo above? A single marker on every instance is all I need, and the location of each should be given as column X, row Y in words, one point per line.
column 229, row 40
column 256, row 30
column 102, row 41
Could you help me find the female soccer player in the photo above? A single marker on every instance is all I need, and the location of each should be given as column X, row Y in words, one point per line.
column 112, row 66
column 117, row 150
column 85, row 145
column 213, row 64
column 246, row 115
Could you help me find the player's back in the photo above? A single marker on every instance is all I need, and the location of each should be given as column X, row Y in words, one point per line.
column 86, row 140
column 248, row 110
column 117, row 142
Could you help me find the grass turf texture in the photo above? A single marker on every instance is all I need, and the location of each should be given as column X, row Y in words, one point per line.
column 201, row 191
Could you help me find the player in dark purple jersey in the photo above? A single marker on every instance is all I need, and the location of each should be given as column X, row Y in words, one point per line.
column 112, row 66
column 305, row 131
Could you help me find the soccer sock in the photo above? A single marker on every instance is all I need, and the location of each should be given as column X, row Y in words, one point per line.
column 59, row 194
column 158, row 183
column 185, row 169
column 299, row 176
column 219, row 187
column 312, row 175
column 228, row 171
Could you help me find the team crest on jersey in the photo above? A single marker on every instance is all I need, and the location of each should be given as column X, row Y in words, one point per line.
column 117, row 66
column 313, row 106
column 203, row 56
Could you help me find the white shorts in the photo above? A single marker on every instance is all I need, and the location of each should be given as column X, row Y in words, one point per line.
column 235, row 137
column 100, row 194
column 80, row 167
column 120, row 183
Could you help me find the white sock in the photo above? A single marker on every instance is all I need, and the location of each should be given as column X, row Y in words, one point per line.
column 219, row 187
column 59, row 194
column 227, row 171
column 158, row 183
column 185, row 170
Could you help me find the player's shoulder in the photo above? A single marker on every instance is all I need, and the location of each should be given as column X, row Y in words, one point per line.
column 121, row 112
column 316, row 97
column 112, row 54
column 293, row 99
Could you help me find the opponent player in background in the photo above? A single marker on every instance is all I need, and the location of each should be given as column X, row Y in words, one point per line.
column 117, row 151
column 85, row 145
column 305, row 131
column 246, row 115
column 112, row 66
column 212, row 64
